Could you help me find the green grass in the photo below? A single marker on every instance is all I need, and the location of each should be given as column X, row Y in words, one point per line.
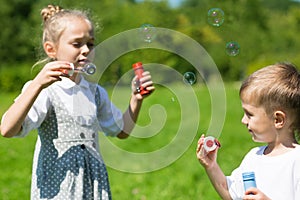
column 183, row 179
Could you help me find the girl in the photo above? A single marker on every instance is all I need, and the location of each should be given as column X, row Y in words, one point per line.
column 271, row 102
column 68, row 111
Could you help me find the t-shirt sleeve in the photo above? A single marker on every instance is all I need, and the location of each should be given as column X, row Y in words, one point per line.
column 235, row 184
column 36, row 114
column 235, row 180
column 109, row 116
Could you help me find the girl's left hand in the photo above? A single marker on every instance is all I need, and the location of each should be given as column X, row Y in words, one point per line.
column 145, row 82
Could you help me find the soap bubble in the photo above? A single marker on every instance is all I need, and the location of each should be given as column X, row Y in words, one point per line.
column 89, row 69
column 189, row 78
column 232, row 48
column 215, row 17
column 148, row 32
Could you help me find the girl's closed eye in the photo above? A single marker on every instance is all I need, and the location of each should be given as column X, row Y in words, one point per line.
column 77, row 44
column 90, row 45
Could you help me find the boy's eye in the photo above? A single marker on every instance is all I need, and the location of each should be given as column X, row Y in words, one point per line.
column 248, row 114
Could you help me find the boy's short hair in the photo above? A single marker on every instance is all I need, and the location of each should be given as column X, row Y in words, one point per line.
column 275, row 87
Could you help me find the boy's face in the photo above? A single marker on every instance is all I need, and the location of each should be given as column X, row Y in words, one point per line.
column 76, row 42
column 259, row 124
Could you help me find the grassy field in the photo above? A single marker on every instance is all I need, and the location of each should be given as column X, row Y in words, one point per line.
column 183, row 179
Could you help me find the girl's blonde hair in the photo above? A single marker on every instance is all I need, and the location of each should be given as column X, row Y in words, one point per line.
column 55, row 21
column 275, row 87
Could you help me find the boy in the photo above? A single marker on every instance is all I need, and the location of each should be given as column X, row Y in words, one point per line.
column 271, row 102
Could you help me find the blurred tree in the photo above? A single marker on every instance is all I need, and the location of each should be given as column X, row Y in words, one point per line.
column 266, row 31
column 16, row 35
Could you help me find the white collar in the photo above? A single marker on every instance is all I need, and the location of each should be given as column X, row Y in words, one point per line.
column 67, row 83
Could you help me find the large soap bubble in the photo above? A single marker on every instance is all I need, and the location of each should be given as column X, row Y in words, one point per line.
column 184, row 98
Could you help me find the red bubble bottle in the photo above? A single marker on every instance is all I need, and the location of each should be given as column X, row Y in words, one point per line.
column 138, row 70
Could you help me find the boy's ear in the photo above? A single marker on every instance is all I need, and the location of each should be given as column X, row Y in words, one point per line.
column 279, row 119
column 50, row 49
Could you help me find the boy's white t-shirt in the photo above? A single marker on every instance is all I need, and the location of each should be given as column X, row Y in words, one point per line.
column 277, row 177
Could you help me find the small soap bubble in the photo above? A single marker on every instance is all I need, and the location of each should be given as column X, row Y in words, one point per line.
column 189, row 78
column 148, row 32
column 215, row 17
column 90, row 68
column 232, row 48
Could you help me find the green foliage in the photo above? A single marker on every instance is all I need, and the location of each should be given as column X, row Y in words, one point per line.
column 12, row 78
column 266, row 31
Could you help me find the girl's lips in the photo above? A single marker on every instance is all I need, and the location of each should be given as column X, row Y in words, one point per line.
column 80, row 64
column 83, row 62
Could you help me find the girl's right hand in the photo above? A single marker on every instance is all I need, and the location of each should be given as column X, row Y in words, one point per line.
column 52, row 72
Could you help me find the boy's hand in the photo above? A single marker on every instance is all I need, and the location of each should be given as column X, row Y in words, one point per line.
column 255, row 194
column 206, row 159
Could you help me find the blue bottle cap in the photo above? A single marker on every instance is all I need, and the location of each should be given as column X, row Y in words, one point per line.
column 248, row 175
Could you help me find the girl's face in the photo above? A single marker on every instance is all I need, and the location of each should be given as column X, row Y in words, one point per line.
column 76, row 42
column 259, row 124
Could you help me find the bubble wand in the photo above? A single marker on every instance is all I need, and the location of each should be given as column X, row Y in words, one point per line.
column 88, row 69
column 210, row 143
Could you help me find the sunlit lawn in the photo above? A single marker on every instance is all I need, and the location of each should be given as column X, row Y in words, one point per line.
column 182, row 179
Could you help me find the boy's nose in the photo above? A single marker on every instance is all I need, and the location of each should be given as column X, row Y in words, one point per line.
column 244, row 120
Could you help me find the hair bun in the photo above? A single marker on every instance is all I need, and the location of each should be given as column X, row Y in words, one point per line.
column 49, row 11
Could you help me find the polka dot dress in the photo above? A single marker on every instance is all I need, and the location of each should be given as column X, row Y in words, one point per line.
column 67, row 164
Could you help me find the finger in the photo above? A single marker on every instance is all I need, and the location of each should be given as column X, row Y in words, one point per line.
column 145, row 73
column 147, row 84
column 60, row 66
column 55, row 74
column 146, row 77
column 150, row 88
column 198, row 148
column 202, row 152
column 201, row 139
column 200, row 143
column 66, row 69
column 251, row 191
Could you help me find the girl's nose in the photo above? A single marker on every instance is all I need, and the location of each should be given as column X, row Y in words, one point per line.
column 85, row 50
